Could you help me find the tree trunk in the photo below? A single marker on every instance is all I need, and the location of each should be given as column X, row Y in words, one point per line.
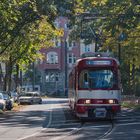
column 1, row 77
column 7, row 79
column 17, row 77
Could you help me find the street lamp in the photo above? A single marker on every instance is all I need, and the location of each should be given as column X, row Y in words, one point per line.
column 121, row 38
column 33, row 77
column 90, row 17
column 66, row 68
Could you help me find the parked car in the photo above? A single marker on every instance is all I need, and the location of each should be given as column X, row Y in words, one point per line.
column 9, row 102
column 2, row 102
column 30, row 98
column 5, row 101
column 14, row 96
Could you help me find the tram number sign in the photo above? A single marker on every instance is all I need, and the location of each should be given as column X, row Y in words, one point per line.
column 100, row 112
column 98, row 62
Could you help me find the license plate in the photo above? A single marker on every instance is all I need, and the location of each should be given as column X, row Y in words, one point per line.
column 100, row 112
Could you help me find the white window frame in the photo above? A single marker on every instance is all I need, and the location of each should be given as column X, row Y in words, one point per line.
column 52, row 58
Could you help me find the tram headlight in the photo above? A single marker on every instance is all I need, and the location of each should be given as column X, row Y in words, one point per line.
column 87, row 101
column 111, row 101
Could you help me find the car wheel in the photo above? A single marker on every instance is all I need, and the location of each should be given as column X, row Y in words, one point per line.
column 9, row 107
column 31, row 102
column 3, row 108
column 40, row 102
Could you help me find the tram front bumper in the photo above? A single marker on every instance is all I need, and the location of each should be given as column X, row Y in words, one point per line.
column 97, row 111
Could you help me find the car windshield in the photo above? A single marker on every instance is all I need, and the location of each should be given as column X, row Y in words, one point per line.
column 27, row 94
column 5, row 96
column 13, row 94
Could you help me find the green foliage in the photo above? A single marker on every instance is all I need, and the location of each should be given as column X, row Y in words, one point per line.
column 24, row 30
column 110, row 19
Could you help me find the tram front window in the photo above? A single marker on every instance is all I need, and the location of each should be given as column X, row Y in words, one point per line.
column 97, row 79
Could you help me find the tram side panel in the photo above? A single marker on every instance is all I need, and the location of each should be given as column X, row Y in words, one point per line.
column 72, row 91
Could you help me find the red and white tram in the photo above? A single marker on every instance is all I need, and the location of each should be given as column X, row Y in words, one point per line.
column 95, row 87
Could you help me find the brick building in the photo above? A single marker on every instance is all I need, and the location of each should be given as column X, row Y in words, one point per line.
column 53, row 66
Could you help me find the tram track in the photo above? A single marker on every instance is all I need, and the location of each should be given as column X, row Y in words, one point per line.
column 72, row 132
column 86, row 126
column 107, row 133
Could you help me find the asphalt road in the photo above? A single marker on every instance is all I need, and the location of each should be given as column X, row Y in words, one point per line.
column 53, row 120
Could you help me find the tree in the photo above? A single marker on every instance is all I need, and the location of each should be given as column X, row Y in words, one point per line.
column 24, row 30
column 120, row 18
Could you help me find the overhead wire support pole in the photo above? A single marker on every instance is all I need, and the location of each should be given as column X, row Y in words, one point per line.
column 96, row 38
column 94, row 34
column 66, row 68
column 33, row 68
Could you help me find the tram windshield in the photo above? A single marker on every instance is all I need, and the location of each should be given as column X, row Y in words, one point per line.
column 97, row 79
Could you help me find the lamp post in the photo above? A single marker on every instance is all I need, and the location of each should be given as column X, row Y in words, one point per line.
column 119, row 51
column 87, row 17
column 66, row 68
column 121, row 38
column 33, row 75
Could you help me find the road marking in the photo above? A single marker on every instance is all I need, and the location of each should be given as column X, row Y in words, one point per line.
column 36, row 133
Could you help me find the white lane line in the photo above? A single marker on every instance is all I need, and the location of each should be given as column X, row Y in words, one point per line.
column 36, row 133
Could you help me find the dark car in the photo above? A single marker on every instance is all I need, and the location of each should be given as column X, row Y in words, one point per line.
column 9, row 102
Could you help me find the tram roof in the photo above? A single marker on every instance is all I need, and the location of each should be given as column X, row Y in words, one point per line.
column 97, row 58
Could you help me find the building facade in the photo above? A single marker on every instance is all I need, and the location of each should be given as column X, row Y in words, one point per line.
column 60, row 59
column 53, row 67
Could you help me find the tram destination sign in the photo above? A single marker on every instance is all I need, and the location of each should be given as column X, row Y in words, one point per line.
column 98, row 62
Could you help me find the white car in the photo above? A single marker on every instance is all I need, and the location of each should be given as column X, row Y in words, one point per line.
column 30, row 98
column 2, row 102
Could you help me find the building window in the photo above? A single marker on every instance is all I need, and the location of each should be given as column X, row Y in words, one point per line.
column 71, row 58
column 52, row 58
column 47, row 78
column 74, row 59
column 65, row 26
column 87, row 48
column 57, row 77
column 71, row 44
column 74, row 43
column 57, row 43
column 52, row 77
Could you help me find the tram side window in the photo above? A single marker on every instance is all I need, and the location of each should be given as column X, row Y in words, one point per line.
column 70, row 81
column 84, row 80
